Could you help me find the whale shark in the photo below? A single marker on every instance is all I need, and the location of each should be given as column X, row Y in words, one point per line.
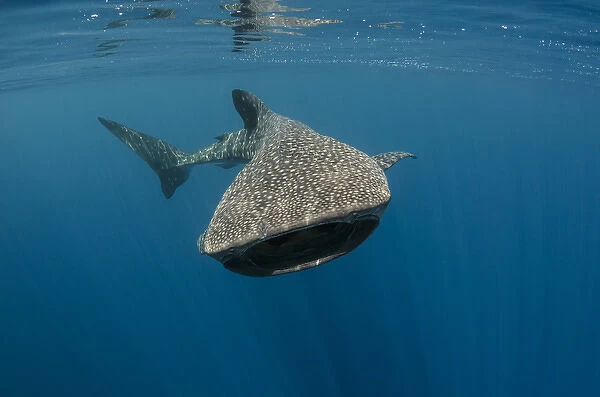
column 302, row 198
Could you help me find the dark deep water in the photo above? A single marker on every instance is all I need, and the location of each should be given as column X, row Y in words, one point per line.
column 482, row 280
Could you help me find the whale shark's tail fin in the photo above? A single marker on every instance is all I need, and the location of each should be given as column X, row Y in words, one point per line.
column 172, row 165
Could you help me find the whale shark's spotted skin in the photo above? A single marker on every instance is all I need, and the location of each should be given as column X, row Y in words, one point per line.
column 301, row 200
column 298, row 178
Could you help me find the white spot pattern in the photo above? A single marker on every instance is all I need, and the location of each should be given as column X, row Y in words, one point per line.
column 297, row 178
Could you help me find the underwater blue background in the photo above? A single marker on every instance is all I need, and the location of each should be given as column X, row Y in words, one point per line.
column 482, row 279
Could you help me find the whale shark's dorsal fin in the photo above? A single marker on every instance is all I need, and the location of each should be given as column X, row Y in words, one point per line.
column 221, row 137
column 250, row 108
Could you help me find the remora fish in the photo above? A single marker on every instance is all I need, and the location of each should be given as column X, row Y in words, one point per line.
column 302, row 199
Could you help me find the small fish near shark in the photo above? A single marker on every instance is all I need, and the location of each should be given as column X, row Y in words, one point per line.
column 301, row 200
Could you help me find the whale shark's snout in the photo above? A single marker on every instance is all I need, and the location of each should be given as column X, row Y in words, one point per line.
column 302, row 199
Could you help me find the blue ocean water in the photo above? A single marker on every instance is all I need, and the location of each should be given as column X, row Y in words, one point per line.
column 482, row 279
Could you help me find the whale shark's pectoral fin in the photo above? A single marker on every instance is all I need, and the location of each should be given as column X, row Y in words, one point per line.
column 172, row 165
column 386, row 160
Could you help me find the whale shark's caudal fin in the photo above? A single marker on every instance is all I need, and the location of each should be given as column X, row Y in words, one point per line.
column 172, row 165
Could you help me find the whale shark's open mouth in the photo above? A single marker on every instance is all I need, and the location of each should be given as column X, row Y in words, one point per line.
column 300, row 248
